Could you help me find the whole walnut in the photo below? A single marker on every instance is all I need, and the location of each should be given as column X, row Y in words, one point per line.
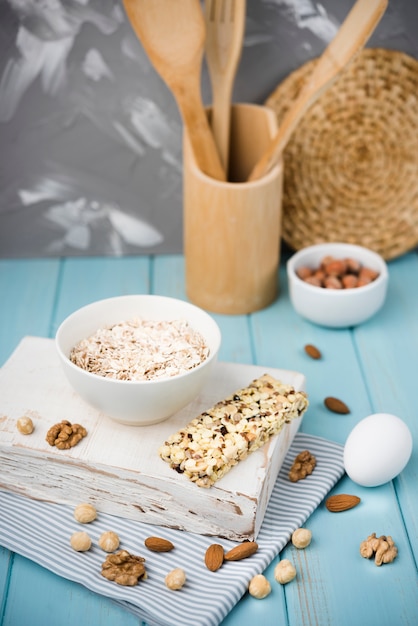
column 303, row 465
column 124, row 568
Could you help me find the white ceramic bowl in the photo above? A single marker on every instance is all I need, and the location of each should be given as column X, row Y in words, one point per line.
column 336, row 308
column 136, row 402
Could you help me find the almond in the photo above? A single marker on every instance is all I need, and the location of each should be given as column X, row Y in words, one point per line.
column 158, row 544
column 335, row 405
column 341, row 502
column 312, row 351
column 242, row 551
column 214, row 557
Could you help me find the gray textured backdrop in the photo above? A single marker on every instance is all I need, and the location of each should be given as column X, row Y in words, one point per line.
column 90, row 137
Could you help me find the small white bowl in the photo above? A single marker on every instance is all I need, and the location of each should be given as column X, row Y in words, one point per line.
column 127, row 401
column 336, row 308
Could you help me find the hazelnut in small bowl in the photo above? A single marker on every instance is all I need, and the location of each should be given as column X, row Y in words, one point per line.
column 337, row 285
column 140, row 358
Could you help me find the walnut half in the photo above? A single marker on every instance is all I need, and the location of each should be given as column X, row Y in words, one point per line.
column 382, row 548
column 124, row 568
column 65, row 435
column 303, row 465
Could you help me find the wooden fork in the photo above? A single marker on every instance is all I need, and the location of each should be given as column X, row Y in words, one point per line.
column 225, row 25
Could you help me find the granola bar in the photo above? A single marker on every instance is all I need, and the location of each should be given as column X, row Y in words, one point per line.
column 212, row 443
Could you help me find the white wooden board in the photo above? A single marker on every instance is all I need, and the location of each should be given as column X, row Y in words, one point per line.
column 117, row 467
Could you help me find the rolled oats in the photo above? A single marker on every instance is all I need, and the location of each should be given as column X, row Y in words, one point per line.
column 212, row 443
column 140, row 350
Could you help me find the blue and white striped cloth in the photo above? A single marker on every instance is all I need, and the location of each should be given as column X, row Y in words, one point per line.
column 41, row 532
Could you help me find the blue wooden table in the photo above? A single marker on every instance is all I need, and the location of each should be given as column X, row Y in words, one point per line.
column 373, row 368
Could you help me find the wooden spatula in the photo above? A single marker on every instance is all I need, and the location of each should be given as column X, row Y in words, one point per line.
column 172, row 33
column 225, row 24
column 351, row 37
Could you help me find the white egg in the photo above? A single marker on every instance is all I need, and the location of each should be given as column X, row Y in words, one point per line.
column 377, row 449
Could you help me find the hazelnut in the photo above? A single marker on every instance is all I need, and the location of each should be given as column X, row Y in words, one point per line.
column 175, row 579
column 338, row 274
column 353, row 265
column 109, row 541
column 259, row 587
column 85, row 513
column 349, row 281
column 333, row 282
column 80, row 541
column 326, row 259
column 301, row 538
column 314, row 280
column 25, row 425
column 336, row 267
column 284, row 572
column 304, row 272
column 367, row 274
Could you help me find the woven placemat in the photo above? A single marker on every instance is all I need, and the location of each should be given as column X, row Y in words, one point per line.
column 351, row 166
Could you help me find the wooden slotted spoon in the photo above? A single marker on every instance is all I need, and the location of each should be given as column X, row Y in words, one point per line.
column 225, row 24
column 172, row 33
column 350, row 38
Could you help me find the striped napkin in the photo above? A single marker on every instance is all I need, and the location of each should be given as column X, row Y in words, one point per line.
column 27, row 526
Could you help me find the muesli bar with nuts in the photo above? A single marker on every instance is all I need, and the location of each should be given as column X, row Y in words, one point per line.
column 212, row 443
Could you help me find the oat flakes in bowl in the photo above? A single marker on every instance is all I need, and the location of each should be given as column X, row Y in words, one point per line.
column 138, row 359
column 140, row 349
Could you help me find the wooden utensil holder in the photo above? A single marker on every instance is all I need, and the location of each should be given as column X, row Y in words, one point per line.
column 232, row 230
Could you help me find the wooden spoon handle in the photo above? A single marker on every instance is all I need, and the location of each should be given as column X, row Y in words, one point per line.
column 225, row 27
column 200, row 135
column 351, row 37
column 220, row 121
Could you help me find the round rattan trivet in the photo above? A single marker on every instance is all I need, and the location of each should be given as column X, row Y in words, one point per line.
column 351, row 166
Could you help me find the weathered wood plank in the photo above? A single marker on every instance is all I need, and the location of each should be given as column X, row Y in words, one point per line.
column 27, row 288
column 6, row 562
column 39, row 598
column 389, row 360
column 334, row 584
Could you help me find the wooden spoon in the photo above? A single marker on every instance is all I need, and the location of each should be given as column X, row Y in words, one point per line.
column 172, row 33
column 351, row 37
column 225, row 24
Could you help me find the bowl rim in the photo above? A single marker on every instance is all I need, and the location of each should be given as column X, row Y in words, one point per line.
column 138, row 383
column 336, row 293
